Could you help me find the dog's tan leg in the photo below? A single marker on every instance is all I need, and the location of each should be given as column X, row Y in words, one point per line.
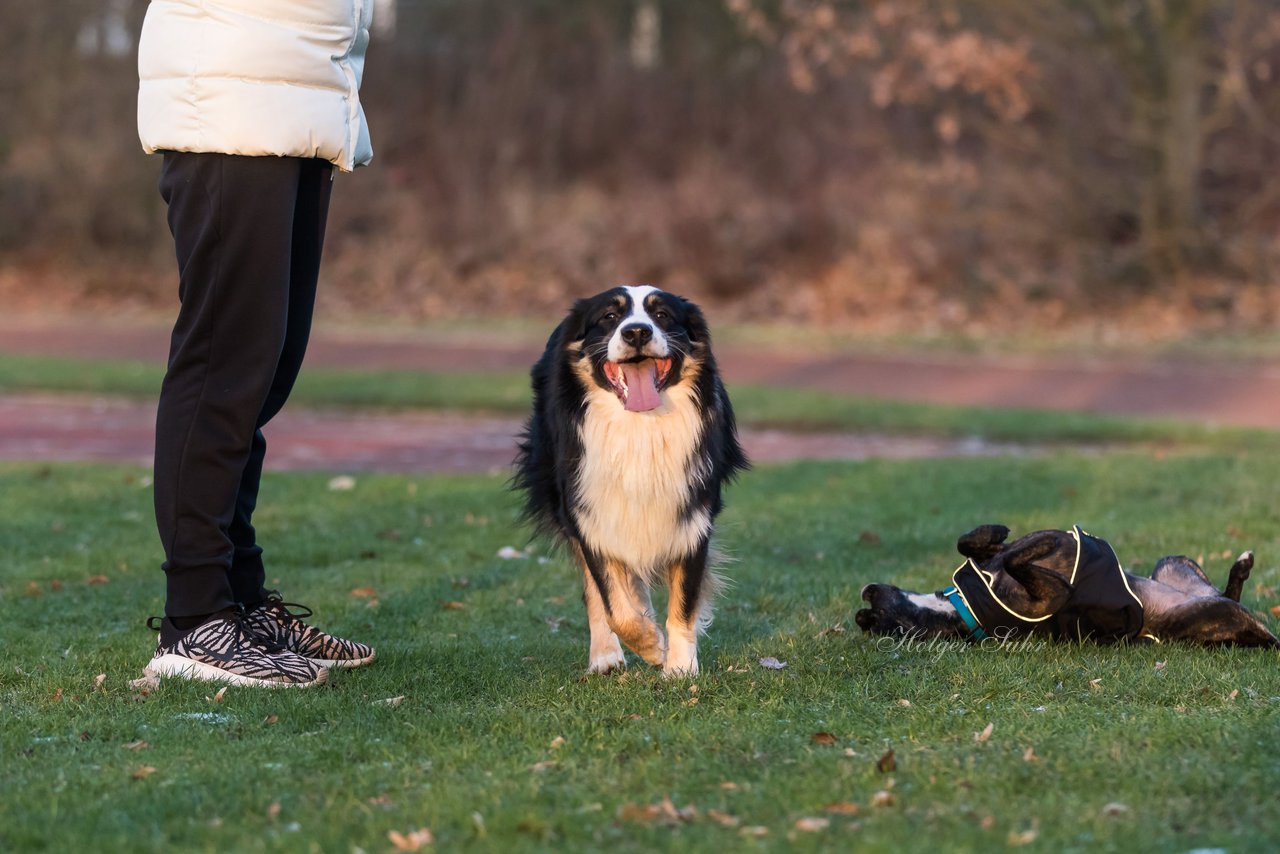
column 631, row 614
column 682, row 623
column 605, row 652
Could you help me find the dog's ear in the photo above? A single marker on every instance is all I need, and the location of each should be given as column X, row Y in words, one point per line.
column 982, row 542
column 574, row 326
column 696, row 324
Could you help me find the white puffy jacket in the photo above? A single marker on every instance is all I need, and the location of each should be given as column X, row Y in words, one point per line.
column 255, row 77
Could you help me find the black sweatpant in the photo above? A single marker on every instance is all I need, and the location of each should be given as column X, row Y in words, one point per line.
column 248, row 233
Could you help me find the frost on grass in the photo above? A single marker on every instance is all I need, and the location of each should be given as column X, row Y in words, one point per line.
column 204, row 717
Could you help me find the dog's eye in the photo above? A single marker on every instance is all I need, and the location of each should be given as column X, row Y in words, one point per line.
column 660, row 314
column 610, row 317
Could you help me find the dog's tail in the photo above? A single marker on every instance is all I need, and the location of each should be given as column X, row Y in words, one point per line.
column 713, row 584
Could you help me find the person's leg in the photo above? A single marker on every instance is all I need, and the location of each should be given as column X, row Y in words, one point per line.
column 247, row 574
column 232, row 220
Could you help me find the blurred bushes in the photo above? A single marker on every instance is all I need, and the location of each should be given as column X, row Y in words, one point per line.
column 913, row 163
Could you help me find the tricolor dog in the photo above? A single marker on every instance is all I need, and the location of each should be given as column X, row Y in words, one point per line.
column 1067, row 585
column 624, row 457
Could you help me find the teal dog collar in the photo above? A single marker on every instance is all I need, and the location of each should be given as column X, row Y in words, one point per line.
column 953, row 596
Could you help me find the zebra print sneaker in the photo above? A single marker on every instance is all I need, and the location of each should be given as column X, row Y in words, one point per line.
column 225, row 650
column 273, row 623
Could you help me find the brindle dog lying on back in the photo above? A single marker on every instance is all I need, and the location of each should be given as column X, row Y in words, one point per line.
column 1067, row 585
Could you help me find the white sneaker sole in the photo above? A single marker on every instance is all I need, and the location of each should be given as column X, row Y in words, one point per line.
column 344, row 662
column 181, row 667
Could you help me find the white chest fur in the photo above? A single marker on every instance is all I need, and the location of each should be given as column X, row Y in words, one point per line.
column 637, row 473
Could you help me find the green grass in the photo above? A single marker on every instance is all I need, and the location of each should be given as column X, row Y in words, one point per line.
column 795, row 409
column 1170, row 749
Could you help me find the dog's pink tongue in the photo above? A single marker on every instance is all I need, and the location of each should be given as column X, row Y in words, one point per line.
column 642, row 386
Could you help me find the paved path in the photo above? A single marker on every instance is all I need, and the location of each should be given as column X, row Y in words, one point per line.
column 83, row 428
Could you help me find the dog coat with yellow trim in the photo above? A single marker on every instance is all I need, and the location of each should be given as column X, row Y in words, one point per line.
column 1100, row 605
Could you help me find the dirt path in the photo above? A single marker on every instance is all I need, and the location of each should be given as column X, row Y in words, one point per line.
column 81, row 428
column 49, row 427
column 1241, row 394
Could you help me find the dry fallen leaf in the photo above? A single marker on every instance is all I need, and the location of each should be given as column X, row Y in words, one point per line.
column 1235, row 692
column 271, row 719
column 137, row 745
column 411, row 841
column 364, row 592
column 342, row 483
column 453, row 606
column 1275, row 610
column 544, row 765
column 824, row 738
column 98, row 681
column 842, row 808
column 906, row 704
column 390, row 701
column 273, row 810
column 33, row 589
column 557, row 742
column 1029, row 755
column 771, row 663
column 217, row 698
column 143, row 772
column 1160, row 665
column 1115, row 809
column 988, row 822
column 1025, row 837
column 981, row 737
column 664, row 812
column 1095, row 683
column 755, row 830
column 96, row 579
column 887, row 763
column 812, row 824
column 882, row 798
column 149, row 681
column 723, row 819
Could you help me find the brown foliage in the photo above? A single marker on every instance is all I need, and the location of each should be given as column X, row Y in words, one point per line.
column 911, row 163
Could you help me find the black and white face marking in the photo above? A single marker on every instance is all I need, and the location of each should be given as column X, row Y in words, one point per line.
column 638, row 339
column 638, row 335
column 894, row 611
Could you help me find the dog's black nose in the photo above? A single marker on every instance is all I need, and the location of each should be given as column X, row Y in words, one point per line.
column 637, row 334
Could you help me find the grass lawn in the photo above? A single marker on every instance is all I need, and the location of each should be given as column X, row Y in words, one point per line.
column 498, row 743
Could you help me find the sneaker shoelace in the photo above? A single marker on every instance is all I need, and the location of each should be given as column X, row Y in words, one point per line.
column 282, row 622
column 237, row 629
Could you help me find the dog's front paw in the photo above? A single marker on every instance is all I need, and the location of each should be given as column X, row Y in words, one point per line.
column 607, row 662
column 682, row 656
column 866, row 620
column 676, row 671
column 607, row 657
